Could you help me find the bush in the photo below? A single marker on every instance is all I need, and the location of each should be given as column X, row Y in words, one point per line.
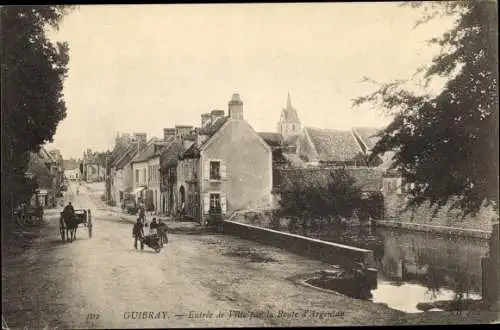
column 373, row 205
column 318, row 199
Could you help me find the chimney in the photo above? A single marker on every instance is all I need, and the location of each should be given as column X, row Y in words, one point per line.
column 182, row 130
column 204, row 118
column 236, row 107
column 125, row 137
column 141, row 138
column 216, row 114
column 168, row 133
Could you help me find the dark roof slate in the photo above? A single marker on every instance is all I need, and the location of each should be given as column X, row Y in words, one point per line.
column 170, row 154
column 333, row 145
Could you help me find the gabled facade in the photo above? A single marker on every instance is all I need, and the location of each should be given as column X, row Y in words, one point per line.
column 168, row 172
column 121, row 176
column 140, row 173
column 229, row 167
column 44, row 169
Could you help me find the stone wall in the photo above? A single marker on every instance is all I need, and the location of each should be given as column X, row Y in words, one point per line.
column 316, row 249
column 394, row 205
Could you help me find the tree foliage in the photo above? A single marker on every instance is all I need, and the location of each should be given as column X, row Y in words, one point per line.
column 33, row 71
column 313, row 198
column 446, row 144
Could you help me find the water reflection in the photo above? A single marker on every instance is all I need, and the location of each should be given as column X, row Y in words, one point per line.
column 417, row 267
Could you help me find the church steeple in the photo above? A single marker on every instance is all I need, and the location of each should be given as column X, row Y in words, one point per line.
column 289, row 124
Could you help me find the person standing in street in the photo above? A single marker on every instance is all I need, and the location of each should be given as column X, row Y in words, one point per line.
column 142, row 213
column 138, row 233
column 162, row 231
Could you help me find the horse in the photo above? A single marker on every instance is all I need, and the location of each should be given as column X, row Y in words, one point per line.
column 70, row 225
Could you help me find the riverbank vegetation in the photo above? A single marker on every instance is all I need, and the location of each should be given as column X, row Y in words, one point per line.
column 319, row 203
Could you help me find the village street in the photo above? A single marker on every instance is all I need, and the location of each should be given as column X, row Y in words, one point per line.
column 103, row 282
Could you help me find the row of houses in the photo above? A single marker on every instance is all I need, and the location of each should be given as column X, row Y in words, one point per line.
column 46, row 168
column 224, row 164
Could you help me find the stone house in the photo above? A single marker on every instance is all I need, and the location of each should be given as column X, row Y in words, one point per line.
column 140, row 179
column 310, row 146
column 228, row 168
column 168, row 167
column 121, row 176
column 45, row 170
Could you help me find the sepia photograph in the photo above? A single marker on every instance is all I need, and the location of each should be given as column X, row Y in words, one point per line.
column 218, row 165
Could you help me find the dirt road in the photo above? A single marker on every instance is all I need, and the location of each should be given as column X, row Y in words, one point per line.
column 198, row 280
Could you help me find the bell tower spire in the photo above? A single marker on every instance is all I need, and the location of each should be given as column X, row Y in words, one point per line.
column 289, row 124
column 288, row 101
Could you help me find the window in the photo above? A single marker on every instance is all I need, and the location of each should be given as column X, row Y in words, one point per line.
column 214, row 170
column 136, row 177
column 214, row 201
column 144, row 175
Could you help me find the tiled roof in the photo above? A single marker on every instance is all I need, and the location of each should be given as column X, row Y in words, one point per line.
column 193, row 150
column 153, row 148
column 170, row 154
column 127, row 156
column 210, row 128
column 367, row 135
column 272, row 139
column 333, row 145
column 118, row 152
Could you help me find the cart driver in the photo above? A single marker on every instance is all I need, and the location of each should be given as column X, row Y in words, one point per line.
column 69, row 210
column 153, row 227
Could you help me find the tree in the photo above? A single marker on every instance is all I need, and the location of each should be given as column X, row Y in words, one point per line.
column 33, row 70
column 446, row 144
column 313, row 196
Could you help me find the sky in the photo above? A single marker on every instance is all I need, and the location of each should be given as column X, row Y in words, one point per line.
column 142, row 68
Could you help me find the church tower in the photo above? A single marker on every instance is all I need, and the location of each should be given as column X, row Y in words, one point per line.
column 289, row 124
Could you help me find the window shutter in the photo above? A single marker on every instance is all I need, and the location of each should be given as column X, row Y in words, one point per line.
column 206, row 203
column 223, row 203
column 206, row 170
column 398, row 185
column 223, row 170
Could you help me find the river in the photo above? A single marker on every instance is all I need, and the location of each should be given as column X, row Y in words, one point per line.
column 417, row 266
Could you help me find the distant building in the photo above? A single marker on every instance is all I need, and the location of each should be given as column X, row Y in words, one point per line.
column 289, row 125
column 121, row 181
column 71, row 169
column 45, row 170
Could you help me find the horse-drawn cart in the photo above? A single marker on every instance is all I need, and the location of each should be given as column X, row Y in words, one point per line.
column 68, row 227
